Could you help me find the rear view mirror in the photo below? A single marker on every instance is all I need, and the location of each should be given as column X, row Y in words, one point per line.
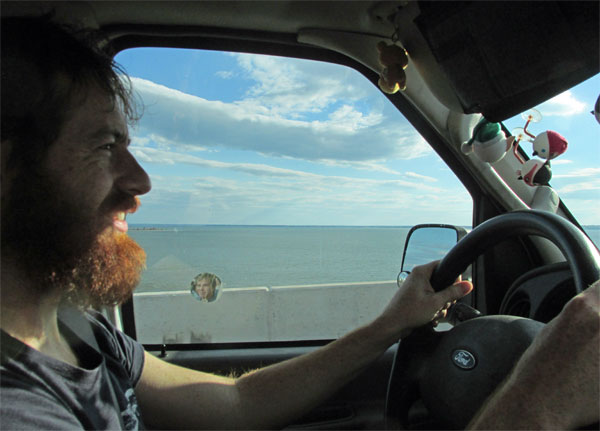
column 427, row 242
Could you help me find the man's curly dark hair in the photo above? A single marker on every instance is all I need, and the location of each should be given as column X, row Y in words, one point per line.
column 48, row 69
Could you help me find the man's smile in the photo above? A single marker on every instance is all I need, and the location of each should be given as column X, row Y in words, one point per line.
column 119, row 222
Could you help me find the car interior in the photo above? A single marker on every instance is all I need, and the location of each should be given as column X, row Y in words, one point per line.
column 525, row 251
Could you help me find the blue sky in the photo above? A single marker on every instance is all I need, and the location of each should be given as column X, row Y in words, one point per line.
column 246, row 139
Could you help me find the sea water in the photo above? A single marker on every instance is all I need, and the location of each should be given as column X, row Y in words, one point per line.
column 247, row 256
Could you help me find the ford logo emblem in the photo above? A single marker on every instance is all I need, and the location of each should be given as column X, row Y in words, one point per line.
column 463, row 359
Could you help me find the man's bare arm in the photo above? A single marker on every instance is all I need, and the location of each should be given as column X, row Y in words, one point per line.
column 176, row 397
column 555, row 384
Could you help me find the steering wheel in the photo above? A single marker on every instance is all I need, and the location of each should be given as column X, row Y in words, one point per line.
column 448, row 375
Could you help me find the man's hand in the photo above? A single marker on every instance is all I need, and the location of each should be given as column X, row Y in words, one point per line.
column 557, row 377
column 416, row 303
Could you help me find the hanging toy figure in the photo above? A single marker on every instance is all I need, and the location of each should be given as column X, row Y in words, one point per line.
column 549, row 145
column 488, row 142
column 535, row 172
column 394, row 60
column 490, row 145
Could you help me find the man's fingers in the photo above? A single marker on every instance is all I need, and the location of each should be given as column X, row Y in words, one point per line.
column 454, row 292
column 425, row 270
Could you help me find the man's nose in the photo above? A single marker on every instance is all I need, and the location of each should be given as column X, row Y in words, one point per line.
column 132, row 179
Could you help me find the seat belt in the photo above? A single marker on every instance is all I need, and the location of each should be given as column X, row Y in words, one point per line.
column 81, row 326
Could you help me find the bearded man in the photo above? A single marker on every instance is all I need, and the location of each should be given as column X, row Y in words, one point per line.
column 68, row 181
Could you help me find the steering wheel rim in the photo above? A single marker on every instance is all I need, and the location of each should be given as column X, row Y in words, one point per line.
column 426, row 352
column 578, row 250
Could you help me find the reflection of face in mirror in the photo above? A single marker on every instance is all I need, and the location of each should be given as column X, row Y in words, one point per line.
column 205, row 287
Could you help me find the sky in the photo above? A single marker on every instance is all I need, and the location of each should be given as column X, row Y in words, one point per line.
column 247, row 139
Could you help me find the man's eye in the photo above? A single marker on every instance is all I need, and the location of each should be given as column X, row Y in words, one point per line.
column 108, row 147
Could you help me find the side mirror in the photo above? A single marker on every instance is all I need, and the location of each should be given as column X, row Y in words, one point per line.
column 427, row 242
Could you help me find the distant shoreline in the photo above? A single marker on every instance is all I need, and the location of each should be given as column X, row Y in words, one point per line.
column 171, row 226
column 164, row 227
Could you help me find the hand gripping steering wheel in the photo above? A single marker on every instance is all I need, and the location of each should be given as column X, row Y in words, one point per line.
column 446, row 376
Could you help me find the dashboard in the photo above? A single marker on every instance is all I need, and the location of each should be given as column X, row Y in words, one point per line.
column 539, row 294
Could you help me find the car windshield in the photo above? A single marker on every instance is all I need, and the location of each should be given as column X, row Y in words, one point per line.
column 294, row 181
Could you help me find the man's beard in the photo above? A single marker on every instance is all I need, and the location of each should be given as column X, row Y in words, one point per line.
column 107, row 274
column 61, row 246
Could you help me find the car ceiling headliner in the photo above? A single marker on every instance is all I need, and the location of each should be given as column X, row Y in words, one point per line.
column 274, row 16
column 494, row 38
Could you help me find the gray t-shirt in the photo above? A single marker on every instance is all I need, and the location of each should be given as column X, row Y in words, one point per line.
column 40, row 392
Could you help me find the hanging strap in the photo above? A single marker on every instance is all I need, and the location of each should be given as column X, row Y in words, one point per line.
column 82, row 327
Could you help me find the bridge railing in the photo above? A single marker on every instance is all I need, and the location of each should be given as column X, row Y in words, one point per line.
column 251, row 314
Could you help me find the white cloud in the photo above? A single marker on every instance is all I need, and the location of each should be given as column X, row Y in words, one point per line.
column 293, row 87
column 561, row 162
column 348, row 118
column 176, row 119
column 225, row 74
column 420, row 177
column 583, row 172
column 151, row 155
column 562, row 105
column 298, row 198
column 582, row 186
column 292, row 110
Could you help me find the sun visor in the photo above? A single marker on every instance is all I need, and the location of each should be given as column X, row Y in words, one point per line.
column 502, row 58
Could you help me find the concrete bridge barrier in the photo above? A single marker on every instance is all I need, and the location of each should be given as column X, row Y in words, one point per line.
column 280, row 313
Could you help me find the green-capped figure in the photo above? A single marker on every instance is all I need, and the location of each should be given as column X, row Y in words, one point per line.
column 488, row 142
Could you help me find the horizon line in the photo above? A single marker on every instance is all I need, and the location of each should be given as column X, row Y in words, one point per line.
column 296, row 225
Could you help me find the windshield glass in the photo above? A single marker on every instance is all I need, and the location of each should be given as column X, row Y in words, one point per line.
column 282, row 193
column 576, row 172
